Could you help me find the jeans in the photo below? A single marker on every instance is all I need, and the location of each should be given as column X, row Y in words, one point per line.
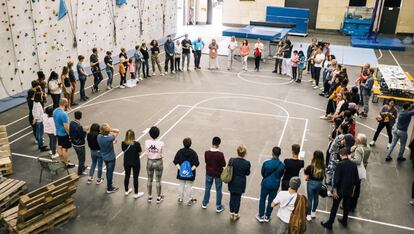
column 80, row 152
column 197, row 58
column 97, row 78
column 96, row 160
column 354, row 199
column 219, row 193
column 82, row 81
column 185, row 188
column 294, row 72
column 317, row 71
column 326, row 86
column 230, row 59
column 365, row 100
column 135, row 173
column 122, row 81
column 257, row 62
column 235, row 199
column 110, row 167
column 177, row 63
column 186, row 56
column 169, row 59
column 138, row 71
column 55, row 100
column 269, row 195
column 381, row 126
column 345, row 205
column 39, row 134
column 398, row 135
column 278, row 65
column 110, row 74
column 154, row 167
column 155, row 61
column 52, row 143
column 313, row 187
column 145, row 68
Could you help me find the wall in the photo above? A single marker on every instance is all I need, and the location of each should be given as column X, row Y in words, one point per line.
column 405, row 20
column 201, row 11
column 238, row 12
column 331, row 14
column 32, row 38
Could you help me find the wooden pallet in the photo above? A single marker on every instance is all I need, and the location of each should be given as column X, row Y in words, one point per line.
column 6, row 166
column 10, row 191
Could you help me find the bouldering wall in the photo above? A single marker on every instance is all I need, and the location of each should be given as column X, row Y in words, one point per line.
column 32, row 38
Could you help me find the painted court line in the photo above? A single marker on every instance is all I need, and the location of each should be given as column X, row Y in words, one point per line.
column 255, row 199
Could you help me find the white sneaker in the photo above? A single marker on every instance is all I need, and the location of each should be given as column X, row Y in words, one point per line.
column 50, row 152
column 372, row 143
column 308, row 217
column 128, row 192
column 153, row 74
column 321, row 88
column 140, row 78
column 313, row 215
column 122, row 87
column 203, row 206
column 316, row 87
column 324, row 117
column 55, row 156
column 165, row 73
column 162, row 74
column 173, row 72
column 138, row 195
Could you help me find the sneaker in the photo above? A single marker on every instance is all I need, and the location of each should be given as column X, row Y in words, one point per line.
column 149, row 199
column 313, row 215
column 50, row 152
column 324, row 117
column 260, row 219
column 70, row 165
column 191, row 202
column 153, row 74
column 89, row 181
column 412, row 202
column 141, row 79
column 316, row 87
column 267, row 219
column 220, row 209
column 162, row 74
column 165, row 73
column 173, row 72
column 321, row 88
column 128, row 192
column 372, row 143
column 326, row 225
column 99, row 181
column 55, row 156
column 401, row 159
column 308, row 217
column 44, row 149
column 113, row 190
column 388, row 159
column 203, row 206
column 388, row 146
column 138, row 195
column 179, row 201
column 122, row 87
column 160, row 199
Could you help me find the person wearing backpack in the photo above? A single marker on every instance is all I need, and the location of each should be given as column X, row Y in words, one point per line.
column 272, row 172
column 258, row 49
column 215, row 162
column 237, row 185
column 186, row 161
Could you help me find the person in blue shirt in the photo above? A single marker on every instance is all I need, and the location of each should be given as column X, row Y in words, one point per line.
column 169, row 54
column 404, row 119
column 198, row 46
column 61, row 120
column 272, row 172
column 138, row 61
column 301, row 66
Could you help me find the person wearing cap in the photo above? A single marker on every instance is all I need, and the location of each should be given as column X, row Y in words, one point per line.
column 272, row 172
column 109, row 69
column 286, row 202
column 346, row 178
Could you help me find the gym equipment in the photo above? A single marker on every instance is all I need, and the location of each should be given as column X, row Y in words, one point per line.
column 297, row 16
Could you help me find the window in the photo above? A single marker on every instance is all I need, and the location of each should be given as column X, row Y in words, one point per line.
column 359, row 3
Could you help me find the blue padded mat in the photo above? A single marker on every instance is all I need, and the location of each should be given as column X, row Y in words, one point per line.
column 381, row 43
column 254, row 32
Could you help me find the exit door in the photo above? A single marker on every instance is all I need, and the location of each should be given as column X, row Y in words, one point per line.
column 389, row 17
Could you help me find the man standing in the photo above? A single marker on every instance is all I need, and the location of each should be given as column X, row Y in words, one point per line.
column 96, row 70
column 345, row 180
column 138, row 61
column 109, row 68
column 77, row 135
column 186, row 45
column 198, row 46
column 292, row 166
column 62, row 131
column 169, row 55
column 317, row 64
column 366, row 91
column 404, row 119
column 82, row 78
column 232, row 47
column 272, row 172
column 215, row 162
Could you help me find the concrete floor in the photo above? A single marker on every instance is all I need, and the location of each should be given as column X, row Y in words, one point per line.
column 259, row 110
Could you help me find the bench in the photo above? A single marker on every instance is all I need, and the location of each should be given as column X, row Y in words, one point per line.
column 402, row 99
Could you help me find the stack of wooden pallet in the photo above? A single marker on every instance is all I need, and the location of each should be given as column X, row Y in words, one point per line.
column 6, row 167
column 10, row 191
column 43, row 209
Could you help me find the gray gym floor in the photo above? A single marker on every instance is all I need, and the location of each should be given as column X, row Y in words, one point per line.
column 260, row 110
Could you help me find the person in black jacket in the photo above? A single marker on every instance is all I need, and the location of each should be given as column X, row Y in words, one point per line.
column 237, row 185
column 345, row 180
column 145, row 58
column 132, row 150
column 186, row 161
column 77, row 135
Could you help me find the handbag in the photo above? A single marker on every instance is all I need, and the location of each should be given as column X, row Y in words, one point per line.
column 323, row 192
column 362, row 172
column 227, row 174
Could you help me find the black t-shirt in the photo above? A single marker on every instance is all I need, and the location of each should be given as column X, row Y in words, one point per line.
column 292, row 168
column 184, row 44
column 144, row 53
column 93, row 142
column 309, row 172
column 93, row 59
column 108, row 60
column 155, row 50
column 288, row 52
column 131, row 153
column 72, row 77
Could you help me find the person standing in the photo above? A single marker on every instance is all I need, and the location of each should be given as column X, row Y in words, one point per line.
column 82, row 78
column 386, row 118
column 145, row 58
column 400, row 133
column 258, row 50
column 279, row 58
column 315, row 173
column 77, row 135
column 366, row 91
column 72, row 79
column 132, row 68
column 186, row 161
column 122, row 73
column 61, row 119
column 96, row 70
column 169, row 54
column 317, row 66
column 132, row 150
column 230, row 57
column 138, row 61
column 124, row 55
column 67, row 86
column 30, row 95
column 109, row 68
column 106, row 140
column 198, row 47
column 292, row 166
column 155, row 57
column 212, row 55
column 244, row 53
column 287, row 53
column 215, row 162
column 345, row 180
column 50, row 130
column 154, row 151
column 272, row 172
column 54, row 85
column 312, row 46
column 294, row 61
column 237, row 185
column 38, row 121
column 41, row 80
column 187, row 46
column 177, row 56
column 301, row 66
column 96, row 156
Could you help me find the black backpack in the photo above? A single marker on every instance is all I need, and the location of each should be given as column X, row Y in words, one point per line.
column 67, row 83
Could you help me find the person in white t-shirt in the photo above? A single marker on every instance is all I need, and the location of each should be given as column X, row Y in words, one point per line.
column 317, row 64
column 50, row 130
column 232, row 47
column 258, row 50
column 153, row 150
column 286, row 202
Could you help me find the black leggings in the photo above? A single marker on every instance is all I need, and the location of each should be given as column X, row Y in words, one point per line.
column 135, row 174
column 55, row 99
column 257, row 62
column 294, row 72
column 177, row 64
column 235, row 199
column 381, row 126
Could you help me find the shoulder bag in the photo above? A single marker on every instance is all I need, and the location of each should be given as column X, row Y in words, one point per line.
column 227, row 174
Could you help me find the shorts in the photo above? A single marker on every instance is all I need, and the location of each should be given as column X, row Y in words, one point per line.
column 64, row 142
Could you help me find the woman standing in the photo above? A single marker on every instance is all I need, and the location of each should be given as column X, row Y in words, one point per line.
column 155, row 52
column 301, row 66
column 237, row 185
column 212, row 54
column 55, row 88
column 177, row 55
column 244, row 53
column 96, row 156
column 258, row 50
column 230, row 57
column 315, row 173
column 279, row 58
column 132, row 150
column 145, row 58
column 67, row 86
column 72, row 79
column 386, row 118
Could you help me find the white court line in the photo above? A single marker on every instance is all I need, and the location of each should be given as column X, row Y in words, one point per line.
column 254, row 199
column 380, row 54
column 239, row 75
column 395, row 59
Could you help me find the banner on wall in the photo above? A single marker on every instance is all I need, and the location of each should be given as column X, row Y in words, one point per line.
column 62, row 9
column 121, row 2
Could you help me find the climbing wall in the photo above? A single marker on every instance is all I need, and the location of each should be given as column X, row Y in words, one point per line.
column 32, row 37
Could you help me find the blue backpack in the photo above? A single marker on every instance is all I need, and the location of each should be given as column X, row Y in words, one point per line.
column 185, row 170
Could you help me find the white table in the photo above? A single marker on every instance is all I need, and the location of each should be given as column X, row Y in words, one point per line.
column 395, row 78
